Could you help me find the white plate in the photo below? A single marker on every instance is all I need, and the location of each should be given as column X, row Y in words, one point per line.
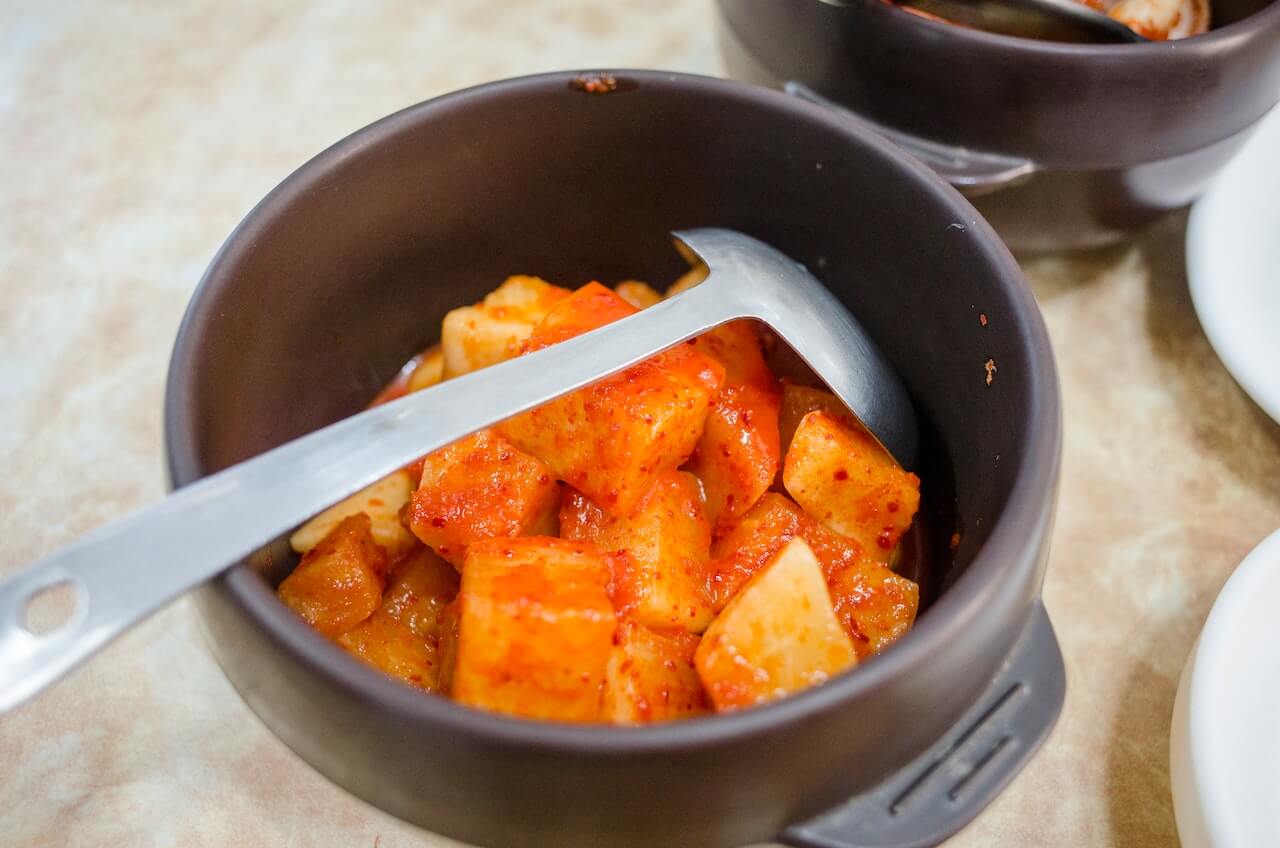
column 1233, row 265
column 1224, row 748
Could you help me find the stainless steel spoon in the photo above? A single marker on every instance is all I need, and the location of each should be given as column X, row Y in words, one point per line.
column 1056, row 20
column 126, row 570
column 1053, row 20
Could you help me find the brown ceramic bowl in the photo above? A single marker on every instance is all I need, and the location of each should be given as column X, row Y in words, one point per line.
column 348, row 267
column 1058, row 145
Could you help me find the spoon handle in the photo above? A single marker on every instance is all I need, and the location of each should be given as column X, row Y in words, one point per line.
column 126, row 570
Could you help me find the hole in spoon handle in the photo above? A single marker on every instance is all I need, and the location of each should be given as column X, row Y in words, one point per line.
column 44, row 618
column 53, row 607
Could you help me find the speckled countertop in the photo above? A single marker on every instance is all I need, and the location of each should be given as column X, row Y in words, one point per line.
column 134, row 136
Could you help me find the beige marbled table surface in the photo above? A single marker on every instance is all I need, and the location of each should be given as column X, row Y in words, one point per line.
column 134, row 136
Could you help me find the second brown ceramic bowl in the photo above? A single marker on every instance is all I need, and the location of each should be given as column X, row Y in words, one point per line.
column 1057, row 145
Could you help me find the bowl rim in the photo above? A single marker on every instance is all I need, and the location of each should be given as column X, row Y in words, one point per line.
column 1027, row 515
column 1228, row 37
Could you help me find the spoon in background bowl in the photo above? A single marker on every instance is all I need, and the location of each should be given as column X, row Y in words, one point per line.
column 1052, row 20
column 1048, row 20
column 126, row 570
